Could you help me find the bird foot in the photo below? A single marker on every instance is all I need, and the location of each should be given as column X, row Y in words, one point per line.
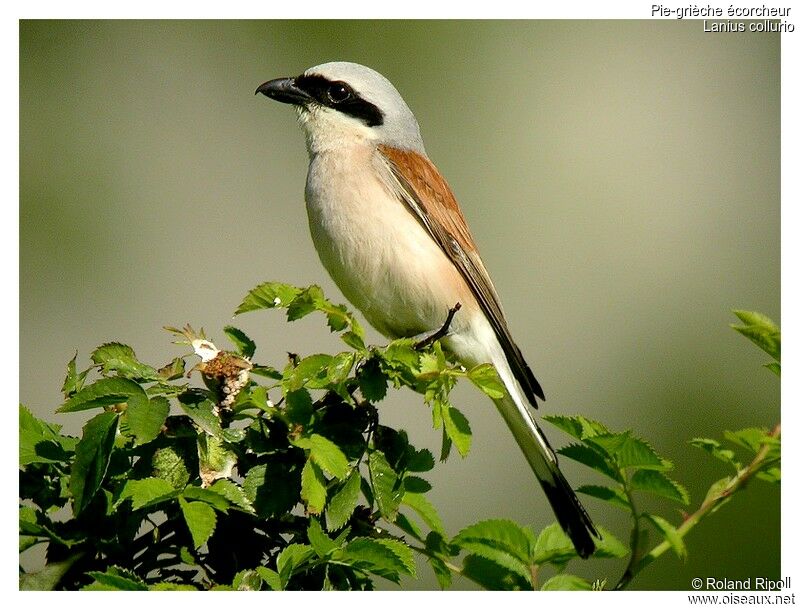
column 441, row 333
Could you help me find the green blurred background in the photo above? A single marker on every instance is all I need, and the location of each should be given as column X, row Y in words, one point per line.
column 620, row 177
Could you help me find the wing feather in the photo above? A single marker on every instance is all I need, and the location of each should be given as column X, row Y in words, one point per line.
column 428, row 196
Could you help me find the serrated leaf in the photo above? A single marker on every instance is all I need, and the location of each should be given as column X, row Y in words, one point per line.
column 658, row 483
column 245, row 346
column 342, row 505
column 553, row 546
column 145, row 418
column 48, row 577
column 115, row 579
column 419, row 460
column 103, row 393
column 299, row 406
column 247, row 580
column 73, row 382
column 420, row 504
column 609, row 545
column 577, row 426
column 751, row 438
column 270, row 577
column 174, row 370
column 594, row 459
column 313, row 488
column 268, row 295
column 233, row 493
column 321, row 542
column 272, row 488
column 385, row 484
column 442, row 572
column 760, row 330
column 500, row 534
column 39, row 442
column 170, row 465
column 327, row 455
column 92, row 455
column 311, row 372
column 485, row 377
column 145, row 492
column 201, row 519
column 670, row 534
column 215, row 458
column 340, row 366
column 372, row 380
column 492, row 576
column 566, row 582
column 121, row 359
column 457, row 428
column 291, row 558
column 201, row 411
column 714, row 448
column 216, row 500
column 612, row 495
column 629, row 451
column 355, row 340
column 716, row 491
column 385, row 558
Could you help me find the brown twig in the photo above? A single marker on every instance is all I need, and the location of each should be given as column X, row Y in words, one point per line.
column 442, row 332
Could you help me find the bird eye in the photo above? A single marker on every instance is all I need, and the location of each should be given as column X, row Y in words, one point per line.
column 338, row 92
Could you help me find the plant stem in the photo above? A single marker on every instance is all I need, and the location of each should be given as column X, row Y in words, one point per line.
column 709, row 505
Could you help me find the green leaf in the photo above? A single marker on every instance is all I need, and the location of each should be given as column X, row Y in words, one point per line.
column 553, row 546
column 342, row 505
column 201, row 519
column 201, row 411
column 501, row 541
column 340, row 366
column 73, row 382
column 169, row 464
column 420, row 461
column 174, row 370
column 215, row 458
column 272, row 488
column 577, row 426
column 39, row 442
column 775, row 367
column 385, row 484
column 593, row 458
column 319, row 540
column 670, row 534
column 48, row 577
column 247, row 580
column 457, row 428
column 658, row 483
column 328, row 456
column 92, row 455
column 145, row 492
column 372, row 380
column 103, row 393
column 234, row 494
column 485, row 377
column 311, row 372
column 120, row 359
column 313, row 488
column 146, row 418
column 212, row 498
column 714, row 448
column 612, row 495
column 751, row 438
column 291, row 558
column 420, row 504
column 268, row 296
column 760, row 330
column 270, row 577
column 245, row 346
column 492, row 576
column 384, row 557
column 629, row 451
column 299, row 406
column 609, row 546
column 566, row 582
column 115, row 579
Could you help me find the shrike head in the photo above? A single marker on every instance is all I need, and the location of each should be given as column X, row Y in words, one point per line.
column 342, row 103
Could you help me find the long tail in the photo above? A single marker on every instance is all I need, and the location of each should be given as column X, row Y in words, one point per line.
column 571, row 515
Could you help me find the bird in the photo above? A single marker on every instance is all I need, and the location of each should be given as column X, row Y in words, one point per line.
column 392, row 236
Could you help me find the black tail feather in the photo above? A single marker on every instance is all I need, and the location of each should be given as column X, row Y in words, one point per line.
column 571, row 515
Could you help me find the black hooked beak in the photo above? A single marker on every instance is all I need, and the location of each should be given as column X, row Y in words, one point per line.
column 284, row 90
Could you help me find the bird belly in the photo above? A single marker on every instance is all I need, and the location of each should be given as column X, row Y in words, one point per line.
column 377, row 252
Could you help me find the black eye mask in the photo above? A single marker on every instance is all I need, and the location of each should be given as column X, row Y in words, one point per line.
column 340, row 96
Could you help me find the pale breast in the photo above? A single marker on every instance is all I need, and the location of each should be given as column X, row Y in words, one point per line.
column 376, row 251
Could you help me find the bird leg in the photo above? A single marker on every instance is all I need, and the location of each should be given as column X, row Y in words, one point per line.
column 441, row 333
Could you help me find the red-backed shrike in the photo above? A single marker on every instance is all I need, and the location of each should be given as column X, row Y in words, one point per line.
column 392, row 236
